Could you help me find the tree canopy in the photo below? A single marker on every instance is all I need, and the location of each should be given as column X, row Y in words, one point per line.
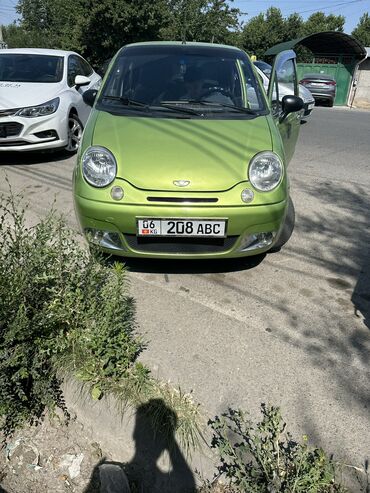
column 362, row 30
column 270, row 28
column 98, row 28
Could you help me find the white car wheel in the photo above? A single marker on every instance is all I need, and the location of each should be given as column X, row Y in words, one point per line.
column 75, row 129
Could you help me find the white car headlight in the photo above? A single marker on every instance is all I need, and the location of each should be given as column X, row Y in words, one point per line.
column 99, row 166
column 265, row 171
column 41, row 110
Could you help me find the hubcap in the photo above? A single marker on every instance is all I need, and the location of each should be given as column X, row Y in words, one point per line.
column 74, row 134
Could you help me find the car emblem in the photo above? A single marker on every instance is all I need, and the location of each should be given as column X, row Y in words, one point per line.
column 181, row 183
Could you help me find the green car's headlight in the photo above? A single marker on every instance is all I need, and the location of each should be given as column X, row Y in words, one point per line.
column 265, row 171
column 99, row 166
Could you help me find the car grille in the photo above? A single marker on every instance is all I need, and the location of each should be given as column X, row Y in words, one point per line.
column 11, row 129
column 8, row 112
column 180, row 245
column 181, row 200
column 13, row 143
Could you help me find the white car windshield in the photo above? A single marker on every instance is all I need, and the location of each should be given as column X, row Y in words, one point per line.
column 30, row 68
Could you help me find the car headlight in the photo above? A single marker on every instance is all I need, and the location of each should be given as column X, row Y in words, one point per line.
column 41, row 110
column 99, row 166
column 265, row 171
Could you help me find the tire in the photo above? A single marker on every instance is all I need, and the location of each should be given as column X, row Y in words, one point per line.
column 75, row 129
column 287, row 229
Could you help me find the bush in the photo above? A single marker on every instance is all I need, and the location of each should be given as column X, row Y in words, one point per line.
column 60, row 308
column 265, row 459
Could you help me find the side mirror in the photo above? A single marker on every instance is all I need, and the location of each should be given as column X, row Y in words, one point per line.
column 290, row 104
column 81, row 80
column 89, row 96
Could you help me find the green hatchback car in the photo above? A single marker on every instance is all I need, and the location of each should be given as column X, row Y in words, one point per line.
column 184, row 155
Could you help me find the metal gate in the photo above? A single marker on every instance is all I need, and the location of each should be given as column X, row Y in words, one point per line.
column 341, row 68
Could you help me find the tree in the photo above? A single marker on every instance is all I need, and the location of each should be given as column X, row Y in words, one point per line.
column 318, row 22
column 362, row 30
column 201, row 20
column 98, row 28
column 56, row 23
column 263, row 31
column 293, row 26
column 111, row 24
column 16, row 37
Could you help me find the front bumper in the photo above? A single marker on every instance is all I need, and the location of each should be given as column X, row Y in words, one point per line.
column 120, row 219
column 27, row 139
column 308, row 107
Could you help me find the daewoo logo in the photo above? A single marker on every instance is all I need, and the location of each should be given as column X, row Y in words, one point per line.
column 181, row 183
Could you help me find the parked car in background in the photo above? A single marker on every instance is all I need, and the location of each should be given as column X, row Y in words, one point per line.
column 179, row 160
column 264, row 71
column 41, row 104
column 321, row 86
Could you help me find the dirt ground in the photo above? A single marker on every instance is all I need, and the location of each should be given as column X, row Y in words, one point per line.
column 51, row 457
column 54, row 457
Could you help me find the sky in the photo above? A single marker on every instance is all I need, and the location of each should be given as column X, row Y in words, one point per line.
column 351, row 9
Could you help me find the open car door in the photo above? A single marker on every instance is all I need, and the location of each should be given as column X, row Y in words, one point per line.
column 284, row 76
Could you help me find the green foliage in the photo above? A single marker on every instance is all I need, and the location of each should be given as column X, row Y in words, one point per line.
column 264, row 31
column 98, row 28
column 201, row 20
column 319, row 21
column 16, row 36
column 60, row 308
column 362, row 30
column 270, row 28
column 265, row 459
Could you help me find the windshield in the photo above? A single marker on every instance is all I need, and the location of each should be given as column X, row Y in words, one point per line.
column 30, row 68
column 265, row 67
column 198, row 80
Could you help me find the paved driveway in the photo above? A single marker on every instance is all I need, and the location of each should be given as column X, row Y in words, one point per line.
column 292, row 328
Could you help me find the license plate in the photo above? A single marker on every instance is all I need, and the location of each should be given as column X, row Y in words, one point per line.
column 318, row 84
column 311, row 105
column 210, row 228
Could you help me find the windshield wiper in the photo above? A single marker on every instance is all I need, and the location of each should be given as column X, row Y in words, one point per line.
column 203, row 102
column 127, row 101
column 171, row 106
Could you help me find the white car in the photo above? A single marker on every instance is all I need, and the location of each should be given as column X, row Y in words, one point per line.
column 41, row 105
column 264, row 69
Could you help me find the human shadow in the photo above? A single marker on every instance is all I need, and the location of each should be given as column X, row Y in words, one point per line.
column 154, row 434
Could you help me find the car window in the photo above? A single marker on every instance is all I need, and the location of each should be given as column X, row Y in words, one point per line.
column 74, row 68
column 85, row 67
column 30, row 68
column 287, row 77
column 276, row 106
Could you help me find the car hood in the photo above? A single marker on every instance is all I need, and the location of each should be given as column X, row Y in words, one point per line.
column 152, row 153
column 22, row 94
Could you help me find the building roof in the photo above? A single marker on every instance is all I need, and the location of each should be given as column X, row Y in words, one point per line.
column 324, row 43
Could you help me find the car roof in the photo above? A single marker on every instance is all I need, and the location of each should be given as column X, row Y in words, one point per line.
column 180, row 43
column 318, row 76
column 36, row 51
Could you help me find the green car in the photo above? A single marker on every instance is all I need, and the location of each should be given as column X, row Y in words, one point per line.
column 184, row 155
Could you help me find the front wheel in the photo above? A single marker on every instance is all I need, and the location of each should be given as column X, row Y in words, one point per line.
column 75, row 129
column 287, row 229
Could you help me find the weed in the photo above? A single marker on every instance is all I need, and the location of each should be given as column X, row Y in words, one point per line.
column 265, row 459
column 60, row 309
